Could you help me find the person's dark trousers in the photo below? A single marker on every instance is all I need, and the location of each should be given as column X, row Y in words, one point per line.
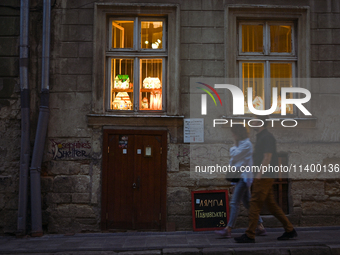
column 262, row 193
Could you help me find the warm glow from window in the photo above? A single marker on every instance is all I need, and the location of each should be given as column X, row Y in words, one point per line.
column 281, row 76
column 151, row 84
column 267, row 60
column 252, row 38
column 280, row 39
column 122, row 34
column 253, row 76
column 122, row 84
column 152, row 33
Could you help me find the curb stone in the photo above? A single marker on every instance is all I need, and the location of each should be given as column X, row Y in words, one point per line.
column 262, row 251
column 154, row 252
column 311, row 250
column 83, row 253
column 217, row 251
column 181, row 251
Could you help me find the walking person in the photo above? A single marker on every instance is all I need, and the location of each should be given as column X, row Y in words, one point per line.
column 264, row 155
column 241, row 155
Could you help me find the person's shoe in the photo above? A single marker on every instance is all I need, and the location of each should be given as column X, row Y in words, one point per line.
column 224, row 232
column 288, row 235
column 260, row 232
column 244, row 239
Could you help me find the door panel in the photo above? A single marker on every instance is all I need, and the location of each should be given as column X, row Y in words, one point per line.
column 134, row 189
column 120, row 179
column 148, row 168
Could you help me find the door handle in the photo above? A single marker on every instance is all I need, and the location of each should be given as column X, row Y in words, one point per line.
column 134, row 185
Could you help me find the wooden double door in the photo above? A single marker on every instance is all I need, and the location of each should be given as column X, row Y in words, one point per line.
column 134, row 180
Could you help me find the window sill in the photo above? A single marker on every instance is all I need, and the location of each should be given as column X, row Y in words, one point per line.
column 302, row 122
column 135, row 120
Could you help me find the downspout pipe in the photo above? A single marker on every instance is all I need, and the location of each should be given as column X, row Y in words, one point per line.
column 25, row 118
column 40, row 136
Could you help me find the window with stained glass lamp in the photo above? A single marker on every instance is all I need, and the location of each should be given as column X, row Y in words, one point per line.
column 122, row 84
column 151, row 84
column 136, row 63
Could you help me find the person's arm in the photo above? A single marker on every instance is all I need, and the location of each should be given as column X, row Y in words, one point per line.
column 265, row 162
column 241, row 151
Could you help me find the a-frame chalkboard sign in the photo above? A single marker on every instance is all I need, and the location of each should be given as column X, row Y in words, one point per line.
column 210, row 209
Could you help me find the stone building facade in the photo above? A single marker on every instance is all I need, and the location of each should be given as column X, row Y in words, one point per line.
column 76, row 177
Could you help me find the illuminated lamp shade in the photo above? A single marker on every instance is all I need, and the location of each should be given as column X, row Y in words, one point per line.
column 122, row 81
column 152, row 83
column 156, row 101
column 122, row 101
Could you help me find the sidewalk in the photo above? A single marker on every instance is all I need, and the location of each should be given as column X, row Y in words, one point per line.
column 311, row 241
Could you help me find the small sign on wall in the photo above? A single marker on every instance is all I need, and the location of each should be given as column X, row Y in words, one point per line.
column 148, row 151
column 69, row 149
column 194, row 130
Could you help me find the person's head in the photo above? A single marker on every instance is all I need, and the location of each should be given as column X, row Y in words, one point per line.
column 258, row 123
column 240, row 132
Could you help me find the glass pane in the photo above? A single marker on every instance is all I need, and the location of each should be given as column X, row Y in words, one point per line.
column 252, row 38
column 280, row 39
column 253, row 76
column 151, row 76
column 152, row 35
column 121, row 84
column 281, row 76
column 122, row 34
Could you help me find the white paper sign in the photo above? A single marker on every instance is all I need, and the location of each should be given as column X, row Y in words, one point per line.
column 194, row 130
column 124, row 151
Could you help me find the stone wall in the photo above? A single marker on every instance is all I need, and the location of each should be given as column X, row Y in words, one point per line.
column 202, row 55
column 71, row 184
column 9, row 115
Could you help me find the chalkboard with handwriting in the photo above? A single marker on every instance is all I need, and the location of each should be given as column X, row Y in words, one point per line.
column 210, row 209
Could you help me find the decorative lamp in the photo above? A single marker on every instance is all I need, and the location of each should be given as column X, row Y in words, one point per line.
column 156, row 101
column 152, row 83
column 122, row 101
column 122, row 81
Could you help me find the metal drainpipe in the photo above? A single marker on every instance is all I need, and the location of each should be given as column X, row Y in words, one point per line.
column 40, row 136
column 25, row 117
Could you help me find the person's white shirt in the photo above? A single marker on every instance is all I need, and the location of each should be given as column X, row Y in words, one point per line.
column 242, row 155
